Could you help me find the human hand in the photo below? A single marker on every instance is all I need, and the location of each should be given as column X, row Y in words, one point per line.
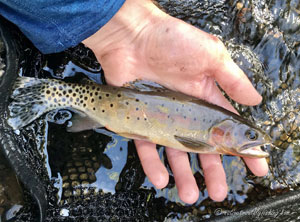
column 142, row 42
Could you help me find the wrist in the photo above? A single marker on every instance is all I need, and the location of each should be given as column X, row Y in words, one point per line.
column 124, row 27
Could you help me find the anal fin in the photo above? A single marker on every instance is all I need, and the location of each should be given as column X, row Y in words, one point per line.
column 81, row 123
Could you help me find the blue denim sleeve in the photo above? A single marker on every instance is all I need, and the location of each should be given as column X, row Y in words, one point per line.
column 55, row 25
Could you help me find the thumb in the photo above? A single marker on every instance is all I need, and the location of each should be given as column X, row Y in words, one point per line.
column 236, row 84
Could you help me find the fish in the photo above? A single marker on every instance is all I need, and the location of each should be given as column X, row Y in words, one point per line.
column 140, row 111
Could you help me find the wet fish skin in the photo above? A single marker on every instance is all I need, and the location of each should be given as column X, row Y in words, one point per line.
column 161, row 116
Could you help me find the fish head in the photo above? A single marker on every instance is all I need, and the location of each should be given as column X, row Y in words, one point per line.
column 239, row 138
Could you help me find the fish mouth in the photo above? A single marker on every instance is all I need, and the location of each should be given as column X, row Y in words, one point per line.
column 253, row 150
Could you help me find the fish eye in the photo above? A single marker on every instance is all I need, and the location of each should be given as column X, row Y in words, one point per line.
column 251, row 134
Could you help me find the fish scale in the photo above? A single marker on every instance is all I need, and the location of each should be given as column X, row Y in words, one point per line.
column 157, row 115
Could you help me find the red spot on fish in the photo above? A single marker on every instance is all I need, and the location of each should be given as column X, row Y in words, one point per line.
column 217, row 135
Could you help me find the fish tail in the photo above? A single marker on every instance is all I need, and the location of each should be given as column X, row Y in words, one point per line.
column 28, row 101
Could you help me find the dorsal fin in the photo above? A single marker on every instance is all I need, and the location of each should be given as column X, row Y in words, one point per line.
column 145, row 86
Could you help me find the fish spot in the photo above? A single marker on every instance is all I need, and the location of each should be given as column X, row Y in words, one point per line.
column 54, row 88
column 96, row 93
column 128, row 117
column 111, row 105
column 74, row 94
column 48, row 91
column 52, row 94
column 87, row 87
column 63, row 99
column 145, row 119
column 67, row 95
column 77, row 99
column 83, row 91
column 173, row 98
column 168, row 116
column 77, row 90
column 81, row 101
column 119, row 95
column 146, row 103
column 137, row 100
column 162, row 105
column 210, row 121
column 94, row 87
column 85, row 98
column 107, row 95
column 91, row 94
column 98, row 89
column 60, row 95
column 203, row 120
column 81, row 96
column 195, row 119
column 103, row 110
column 136, row 109
column 127, row 103
column 55, row 100
column 70, row 91
column 84, row 105
column 138, row 118
column 94, row 108
column 100, row 97
column 64, row 92
column 177, row 109
column 184, row 117
column 92, row 100
column 60, row 88
column 190, row 110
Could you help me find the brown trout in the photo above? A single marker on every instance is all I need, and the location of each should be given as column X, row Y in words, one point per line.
column 158, row 115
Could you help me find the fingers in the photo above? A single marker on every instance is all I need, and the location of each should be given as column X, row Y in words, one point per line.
column 258, row 167
column 214, row 175
column 184, row 178
column 235, row 83
column 151, row 163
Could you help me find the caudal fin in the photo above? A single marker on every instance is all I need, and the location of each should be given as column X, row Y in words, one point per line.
column 28, row 101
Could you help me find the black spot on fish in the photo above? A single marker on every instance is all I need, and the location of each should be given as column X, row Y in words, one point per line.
column 162, row 105
column 74, row 94
column 103, row 110
column 184, row 117
column 190, row 110
column 111, row 105
column 136, row 109
column 195, row 119
column 84, row 105
column 87, row 87
column 77, row 90
column 48, row 91
column 81, row 96
column 91, row 94
column 210, row 121
column 63, row 100
column 83, row 91
column 67, row 95
column 173, row 98
column 107, row 95
column 64, row 92
column 203, row 120
column 100, row 97
column 98, row 89
column 119, row 95
column 96, row 93
column 128, row 117
column 146, row 103
column 60, row 95
column 54, row 88
column 64, row 85
column 145, row 119
column 94, row 87
column 94, row 108
column 138, row 118
column 127, row 103
column 60, row 88
column 77, row 99
column 55, row 100
column 137, row 100
column 81, row 101
column 168, row 116
column 85, row 98
column 70, row 91
column 92, row 100
column 177, row 109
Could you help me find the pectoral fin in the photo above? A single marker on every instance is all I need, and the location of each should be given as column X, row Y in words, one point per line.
column 81, row 123
column 133, row 136
column 195, row 145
